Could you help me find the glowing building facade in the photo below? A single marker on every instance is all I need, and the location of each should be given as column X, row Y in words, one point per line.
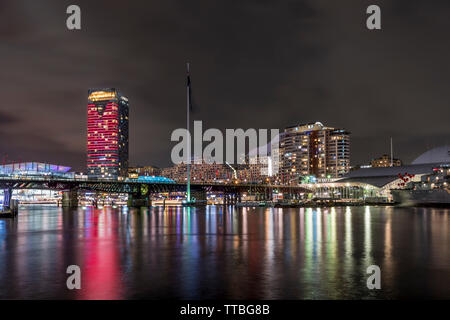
column 314, row 149
column 107, row 134
column 35, row 169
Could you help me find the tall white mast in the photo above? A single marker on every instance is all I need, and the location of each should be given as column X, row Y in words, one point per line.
column 392, row 154
column 188, row 150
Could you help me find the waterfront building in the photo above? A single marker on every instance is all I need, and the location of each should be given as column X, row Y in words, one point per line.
column 436, row 155
column 385, row 161
column 255, row 172
column 314, row 149
column 35, row 169
column 200, row 173
column 107, row 134
column 26, row 170
column 219, row 173
column 375, row 183
column 135, row 172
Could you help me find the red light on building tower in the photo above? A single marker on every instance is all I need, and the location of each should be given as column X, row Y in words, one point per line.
column 107, row 134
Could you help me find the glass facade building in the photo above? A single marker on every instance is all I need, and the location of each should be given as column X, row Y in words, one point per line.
column 30, row 169
column 107, row 134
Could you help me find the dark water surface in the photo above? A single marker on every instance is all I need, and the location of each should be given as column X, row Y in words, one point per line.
column 226, row 253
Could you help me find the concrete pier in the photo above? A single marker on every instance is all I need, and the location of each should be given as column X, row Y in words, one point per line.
column 138, row 201
column 7, row 197
column 199, row 196
column 70, row 199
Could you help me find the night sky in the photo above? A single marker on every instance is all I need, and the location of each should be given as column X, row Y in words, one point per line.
column 255, row 64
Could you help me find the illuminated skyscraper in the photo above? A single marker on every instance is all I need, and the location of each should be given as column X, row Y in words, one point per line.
column 314, row 149
column 107, row 134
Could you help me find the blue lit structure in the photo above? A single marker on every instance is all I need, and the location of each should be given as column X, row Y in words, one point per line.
column 153, row 179
column 35, row 169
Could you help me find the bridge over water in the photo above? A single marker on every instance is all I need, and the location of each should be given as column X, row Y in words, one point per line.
column 139, row 192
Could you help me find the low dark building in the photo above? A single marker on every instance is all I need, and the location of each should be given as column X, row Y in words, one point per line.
column 385, row 161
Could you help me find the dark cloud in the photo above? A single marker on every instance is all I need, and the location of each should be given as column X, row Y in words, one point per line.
column 261, row 64
column 20, row 147
column 7, row 119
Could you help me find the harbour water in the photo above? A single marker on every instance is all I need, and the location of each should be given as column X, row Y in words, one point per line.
column 226, row 253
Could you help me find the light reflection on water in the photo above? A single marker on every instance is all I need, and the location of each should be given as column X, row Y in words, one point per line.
column 216, row 252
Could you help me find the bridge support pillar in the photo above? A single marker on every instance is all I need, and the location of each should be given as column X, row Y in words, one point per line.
column 137, row 201
column 7, row 195
column 199, row 195
column 69, row 199
column 226, row 199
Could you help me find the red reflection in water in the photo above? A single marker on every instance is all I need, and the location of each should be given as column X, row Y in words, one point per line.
column 101, row 274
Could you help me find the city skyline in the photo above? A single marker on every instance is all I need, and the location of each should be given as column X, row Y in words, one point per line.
column 224, row 159
column 254, row 71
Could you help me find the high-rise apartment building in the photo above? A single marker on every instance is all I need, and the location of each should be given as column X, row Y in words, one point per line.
column 107, row 134
column 314, row 149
